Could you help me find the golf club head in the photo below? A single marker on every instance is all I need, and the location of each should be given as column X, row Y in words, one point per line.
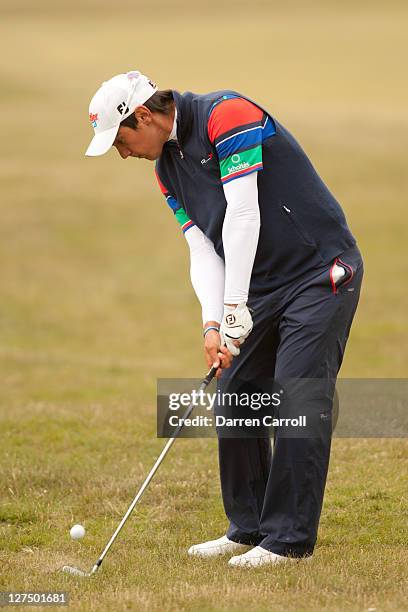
column 75, row 571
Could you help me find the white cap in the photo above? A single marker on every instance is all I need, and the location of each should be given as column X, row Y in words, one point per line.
column 115, row 100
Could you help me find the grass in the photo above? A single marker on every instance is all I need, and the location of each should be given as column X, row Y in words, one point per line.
column 95, row 300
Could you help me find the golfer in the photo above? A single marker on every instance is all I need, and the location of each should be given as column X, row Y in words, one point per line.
column 278, row 275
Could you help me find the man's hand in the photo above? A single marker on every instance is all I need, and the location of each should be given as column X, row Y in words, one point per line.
column 236, row 326
column 215, row 354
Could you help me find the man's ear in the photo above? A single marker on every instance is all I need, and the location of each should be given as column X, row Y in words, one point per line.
column 143, row 115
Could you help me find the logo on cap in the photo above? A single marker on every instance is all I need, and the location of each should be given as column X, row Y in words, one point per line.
column 93, row 118
column 121, row 108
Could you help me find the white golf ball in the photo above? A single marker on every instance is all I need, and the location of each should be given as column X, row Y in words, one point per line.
column 77, row 532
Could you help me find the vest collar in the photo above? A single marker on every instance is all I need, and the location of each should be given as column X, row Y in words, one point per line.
column 184, row 115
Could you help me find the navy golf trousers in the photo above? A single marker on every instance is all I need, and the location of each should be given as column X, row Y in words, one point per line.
column 300, row 331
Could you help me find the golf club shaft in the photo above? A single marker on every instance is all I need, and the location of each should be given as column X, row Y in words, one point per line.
column 152, row 472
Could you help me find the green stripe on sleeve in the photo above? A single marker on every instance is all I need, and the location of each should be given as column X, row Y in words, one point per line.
column 182, row 216
column 241, row 161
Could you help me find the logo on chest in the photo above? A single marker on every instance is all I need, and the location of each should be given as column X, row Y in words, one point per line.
column 206, row 159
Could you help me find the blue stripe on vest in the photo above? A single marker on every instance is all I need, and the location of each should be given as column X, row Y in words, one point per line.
column 244, row 140
column 268, row 128
column 172, row 202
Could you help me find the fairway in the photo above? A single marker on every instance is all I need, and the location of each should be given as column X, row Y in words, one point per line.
column 96, row 302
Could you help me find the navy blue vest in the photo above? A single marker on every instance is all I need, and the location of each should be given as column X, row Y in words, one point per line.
column 302, row 225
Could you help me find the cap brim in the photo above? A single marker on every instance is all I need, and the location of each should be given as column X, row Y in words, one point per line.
column 102, row 142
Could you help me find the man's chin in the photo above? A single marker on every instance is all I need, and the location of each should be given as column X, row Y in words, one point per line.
column 149, row 157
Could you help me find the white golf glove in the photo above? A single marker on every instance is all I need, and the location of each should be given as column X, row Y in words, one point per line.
column 236, row 325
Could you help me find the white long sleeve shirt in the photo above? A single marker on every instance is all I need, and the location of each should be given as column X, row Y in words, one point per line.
column 214, row 282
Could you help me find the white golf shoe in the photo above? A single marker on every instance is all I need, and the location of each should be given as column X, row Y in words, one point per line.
column 256, row 557
column 213, row 548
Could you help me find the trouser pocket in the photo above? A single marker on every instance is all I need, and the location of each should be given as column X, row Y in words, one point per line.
column 341, row 274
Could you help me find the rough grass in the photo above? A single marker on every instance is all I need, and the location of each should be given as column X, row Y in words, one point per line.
column 95, row 302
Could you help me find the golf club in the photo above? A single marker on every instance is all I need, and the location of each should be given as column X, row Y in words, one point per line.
column 69, row 569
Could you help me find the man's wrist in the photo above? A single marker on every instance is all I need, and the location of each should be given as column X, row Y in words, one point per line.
column 211, row 323
column 211, row 326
